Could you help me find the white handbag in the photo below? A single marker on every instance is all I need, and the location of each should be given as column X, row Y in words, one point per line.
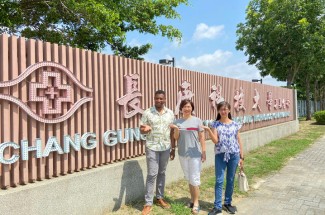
column 242, row 181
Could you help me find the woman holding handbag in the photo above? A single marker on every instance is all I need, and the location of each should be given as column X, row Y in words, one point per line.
column 228, row 153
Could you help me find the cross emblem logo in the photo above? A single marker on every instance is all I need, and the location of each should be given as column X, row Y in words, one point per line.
column 50, row 92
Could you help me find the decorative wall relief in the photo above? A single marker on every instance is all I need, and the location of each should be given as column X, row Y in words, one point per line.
column 50, row 92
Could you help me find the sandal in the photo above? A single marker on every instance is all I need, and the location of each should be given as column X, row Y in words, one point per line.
column 196, row 209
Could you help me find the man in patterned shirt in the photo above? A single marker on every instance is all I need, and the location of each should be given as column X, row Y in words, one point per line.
column 155, row 123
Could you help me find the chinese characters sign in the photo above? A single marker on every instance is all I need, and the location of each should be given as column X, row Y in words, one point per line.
column 130, row 101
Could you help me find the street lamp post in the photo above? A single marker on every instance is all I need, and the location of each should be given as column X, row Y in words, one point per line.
column 257, row 80
column 166, row 62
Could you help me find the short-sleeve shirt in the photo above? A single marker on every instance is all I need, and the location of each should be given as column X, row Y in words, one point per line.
column 159, row 137
column 188, row 141
column 227, row 138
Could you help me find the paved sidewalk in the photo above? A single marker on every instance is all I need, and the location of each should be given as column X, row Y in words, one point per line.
column 299, row 188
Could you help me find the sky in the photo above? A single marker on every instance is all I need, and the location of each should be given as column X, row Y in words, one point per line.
column 209, row 41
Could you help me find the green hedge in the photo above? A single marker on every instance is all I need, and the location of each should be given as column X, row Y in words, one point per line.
column 320, row 117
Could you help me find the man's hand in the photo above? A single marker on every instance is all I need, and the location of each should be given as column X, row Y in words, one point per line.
column 172, row 154
column 172, row 126
column 145, row 129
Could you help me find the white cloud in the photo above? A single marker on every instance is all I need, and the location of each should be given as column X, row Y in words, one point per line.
column 134, row 42
column 203, row 31
column 246, row 72
column 206, row 60
column 241, row 71
column 217, row 64
column 177, row 43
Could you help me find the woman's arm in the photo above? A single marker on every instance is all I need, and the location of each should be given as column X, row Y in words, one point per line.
column 212, row 133
column 203, row 146
column 241, row 150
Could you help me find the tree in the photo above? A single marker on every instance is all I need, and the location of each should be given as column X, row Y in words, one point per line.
column 314, row 64
column 280, row 37
column 91, row 24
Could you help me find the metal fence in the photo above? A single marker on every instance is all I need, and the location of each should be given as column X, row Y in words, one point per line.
column 302, row 107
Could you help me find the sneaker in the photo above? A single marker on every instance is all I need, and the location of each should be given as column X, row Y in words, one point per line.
column 215, row 211
column 162, row 203
column 146, row 210
column 229, row 208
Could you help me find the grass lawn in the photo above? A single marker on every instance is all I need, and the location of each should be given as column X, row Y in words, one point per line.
column 259, row 164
